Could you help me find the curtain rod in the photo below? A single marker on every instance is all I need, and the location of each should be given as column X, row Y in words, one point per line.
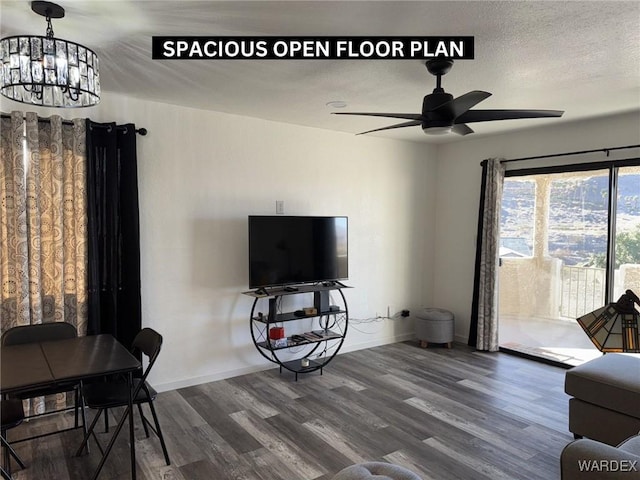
column 605, row 150
column 141, row 131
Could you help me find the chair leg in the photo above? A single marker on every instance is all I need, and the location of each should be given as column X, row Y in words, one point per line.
column 6, row 457
column 5, row 475
column 160, row 436
column 77, row 399
column 85, row 440
column 106, row 420
column 8, row 453
column 83, row 408
column 144, row 420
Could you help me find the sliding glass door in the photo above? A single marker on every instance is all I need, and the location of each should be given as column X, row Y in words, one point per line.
column 626, row 254
column 557, row 231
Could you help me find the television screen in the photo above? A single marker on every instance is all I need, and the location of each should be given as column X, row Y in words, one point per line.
column 289, row 249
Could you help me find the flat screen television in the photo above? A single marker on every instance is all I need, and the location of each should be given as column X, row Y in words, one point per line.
column 284, row 250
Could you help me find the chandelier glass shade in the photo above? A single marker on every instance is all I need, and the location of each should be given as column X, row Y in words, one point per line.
column 48, row 71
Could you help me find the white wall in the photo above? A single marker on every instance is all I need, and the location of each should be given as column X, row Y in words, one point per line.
column 201, row 173
column 412, row 210
column 458, row 193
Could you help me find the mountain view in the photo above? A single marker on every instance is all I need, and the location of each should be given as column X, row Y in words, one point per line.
column 578, row 211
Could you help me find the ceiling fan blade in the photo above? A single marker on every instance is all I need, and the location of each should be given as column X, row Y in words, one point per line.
column 407, row 116
column 464, row 102
column 411, row 123
column 461, row 129
column 490, row 115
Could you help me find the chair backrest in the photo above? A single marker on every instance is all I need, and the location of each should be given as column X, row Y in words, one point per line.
column 149, row 343
column 11, row 412
column 39, row 332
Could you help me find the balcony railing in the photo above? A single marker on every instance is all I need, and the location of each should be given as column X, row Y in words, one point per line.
column 549, row 289
column 582, row 290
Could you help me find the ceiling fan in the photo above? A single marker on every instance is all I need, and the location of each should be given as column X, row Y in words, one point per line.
column 441, row 113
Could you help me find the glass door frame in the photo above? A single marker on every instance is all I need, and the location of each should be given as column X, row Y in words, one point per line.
column 613, row 166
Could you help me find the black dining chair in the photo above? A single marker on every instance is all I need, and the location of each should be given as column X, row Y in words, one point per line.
column 115, row 391
column 42, row 332
column 12, row 414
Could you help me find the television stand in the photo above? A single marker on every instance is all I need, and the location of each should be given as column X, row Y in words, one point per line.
column 313, row 336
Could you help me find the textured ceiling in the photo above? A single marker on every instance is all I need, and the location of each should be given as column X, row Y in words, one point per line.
column 581, row 57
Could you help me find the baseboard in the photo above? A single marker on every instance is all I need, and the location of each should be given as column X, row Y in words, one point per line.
column 377, row 343
column 191, row 382
column 461, row 339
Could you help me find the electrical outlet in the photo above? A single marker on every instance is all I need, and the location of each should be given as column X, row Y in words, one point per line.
column 279, row 207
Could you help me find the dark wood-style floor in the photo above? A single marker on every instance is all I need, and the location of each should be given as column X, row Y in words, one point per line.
column 445, row 414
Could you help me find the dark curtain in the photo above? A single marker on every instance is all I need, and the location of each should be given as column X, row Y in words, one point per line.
column 473, row 328
column 114, row 233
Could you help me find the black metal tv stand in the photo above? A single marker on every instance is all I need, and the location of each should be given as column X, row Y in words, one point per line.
column 312, row 338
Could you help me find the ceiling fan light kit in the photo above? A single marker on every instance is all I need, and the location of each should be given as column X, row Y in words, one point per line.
column 437, row 130
column 442, row 114
column 48, row 71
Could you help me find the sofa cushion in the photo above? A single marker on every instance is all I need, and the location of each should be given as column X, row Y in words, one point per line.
column 590, row 460
column 611, row 381
column 631, row 445
column 376, row 471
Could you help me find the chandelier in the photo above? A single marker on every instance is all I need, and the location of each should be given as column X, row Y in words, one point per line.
column 48, row 71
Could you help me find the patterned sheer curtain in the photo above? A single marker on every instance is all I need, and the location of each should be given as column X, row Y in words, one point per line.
column 43, row 224
column 484, row 321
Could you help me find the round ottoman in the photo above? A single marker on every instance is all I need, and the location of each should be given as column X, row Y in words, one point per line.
column 376, row 471
column 434, row 325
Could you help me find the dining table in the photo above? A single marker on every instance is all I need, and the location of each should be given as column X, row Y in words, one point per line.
column 40, row 364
